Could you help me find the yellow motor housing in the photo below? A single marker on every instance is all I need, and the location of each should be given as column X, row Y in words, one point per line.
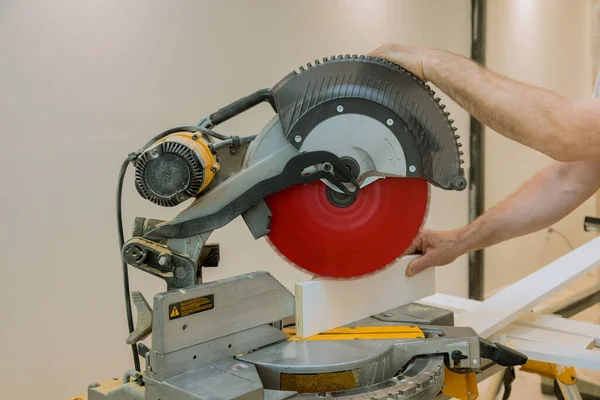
column 175, row 168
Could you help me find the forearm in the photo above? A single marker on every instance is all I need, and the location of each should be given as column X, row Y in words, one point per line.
column 540, row 202
column 552, row 124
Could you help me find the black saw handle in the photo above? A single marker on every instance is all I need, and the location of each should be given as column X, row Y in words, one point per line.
column 241, row 105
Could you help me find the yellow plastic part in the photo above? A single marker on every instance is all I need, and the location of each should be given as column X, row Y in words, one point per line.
column 460, row 386
column 364, row 333
column 197, row 143
column 561, row 373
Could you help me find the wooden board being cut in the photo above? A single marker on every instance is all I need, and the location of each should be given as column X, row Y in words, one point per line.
column 499, row 310
column 325, row 304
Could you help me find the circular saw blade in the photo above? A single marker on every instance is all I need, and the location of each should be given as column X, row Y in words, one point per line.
column 347, row 242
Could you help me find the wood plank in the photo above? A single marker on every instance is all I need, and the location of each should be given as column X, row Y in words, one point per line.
column 501, row 309
column 535, row 320
column 449, row 302
column 559, row 324
column 556, row 353
column 547, row 336
column 325, row 304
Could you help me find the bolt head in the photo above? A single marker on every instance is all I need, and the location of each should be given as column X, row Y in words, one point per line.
column 474, row 362
column 412, row 168
column 163, row 260
column 297, row 138
column 389, row 122
column 213, row 168
column 340, row 108
column 195, row 136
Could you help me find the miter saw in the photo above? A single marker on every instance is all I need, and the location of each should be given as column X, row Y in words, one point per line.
column 338, row 182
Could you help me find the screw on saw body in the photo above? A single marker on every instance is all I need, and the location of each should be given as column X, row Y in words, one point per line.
column 297, row 138
column 164, row 259
column 389, row 122
column 412, row 168
column 340, row 108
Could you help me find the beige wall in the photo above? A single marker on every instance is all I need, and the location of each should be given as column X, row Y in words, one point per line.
column 85, row 82
column 544, row 43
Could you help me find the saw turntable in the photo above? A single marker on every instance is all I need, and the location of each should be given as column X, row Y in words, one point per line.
column 338, row 182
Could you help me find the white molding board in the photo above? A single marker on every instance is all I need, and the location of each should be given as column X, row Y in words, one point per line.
column 559, row 324
column 325, row 304
column 521, row 297
column 540, row 335
column 449, row 302
column 556, row 353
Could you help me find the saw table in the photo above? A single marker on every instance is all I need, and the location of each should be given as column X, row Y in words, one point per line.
column 224, row 340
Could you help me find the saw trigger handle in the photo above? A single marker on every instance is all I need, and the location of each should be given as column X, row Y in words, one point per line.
column 241, row 105
column 500, row 354
column 143, row 327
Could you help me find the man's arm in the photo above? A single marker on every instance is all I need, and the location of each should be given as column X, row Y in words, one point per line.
column 540, row 202
column 561, row 128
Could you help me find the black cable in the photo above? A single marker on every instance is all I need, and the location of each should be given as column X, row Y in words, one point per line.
column 229, row 142
column 563, row 236
column 136, row 359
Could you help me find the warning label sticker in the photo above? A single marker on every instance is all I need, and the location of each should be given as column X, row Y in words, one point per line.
column 192, row 306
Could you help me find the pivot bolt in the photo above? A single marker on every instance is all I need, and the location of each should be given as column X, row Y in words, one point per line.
column 164, row 259
column 327, row 167
column 412, row 168
column 297, row 138
column 213, row 168
column 195, row 136
column 340, row 108
column 390, row 122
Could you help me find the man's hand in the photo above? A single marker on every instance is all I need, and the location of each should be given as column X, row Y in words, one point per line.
column 438, row 248
column 413, row 58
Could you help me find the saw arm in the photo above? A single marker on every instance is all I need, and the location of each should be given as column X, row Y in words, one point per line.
column 346, row 122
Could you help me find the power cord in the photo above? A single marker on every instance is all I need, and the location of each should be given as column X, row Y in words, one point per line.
column 126, row 287
column 562, row 235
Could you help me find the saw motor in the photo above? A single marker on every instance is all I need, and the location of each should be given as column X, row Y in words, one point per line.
column 175, row 168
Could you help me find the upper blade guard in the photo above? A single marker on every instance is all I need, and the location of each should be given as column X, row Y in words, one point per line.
column 381, row 90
